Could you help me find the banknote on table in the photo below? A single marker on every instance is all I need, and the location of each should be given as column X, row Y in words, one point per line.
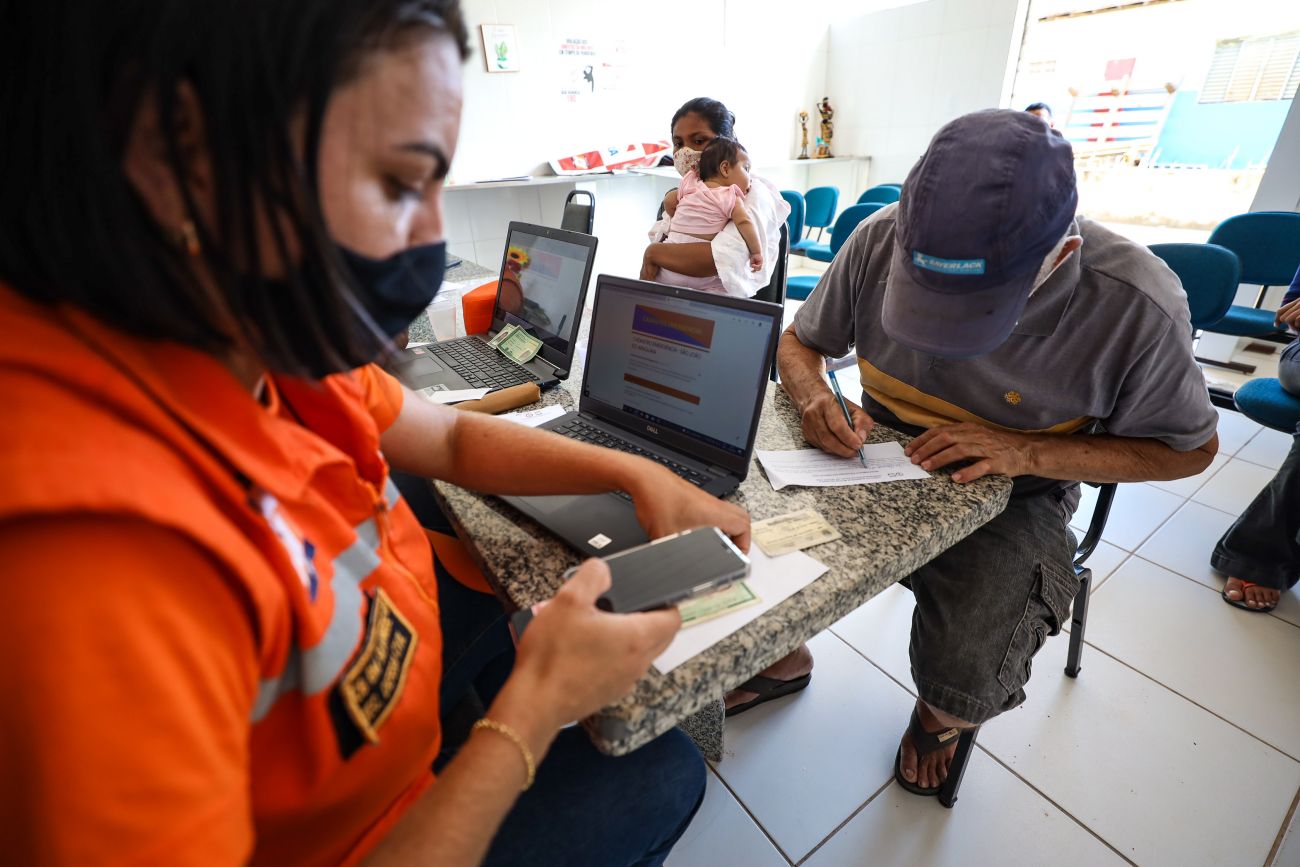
column 716, row 604
column 519, row 346
column 502, row 335
column 792, row 532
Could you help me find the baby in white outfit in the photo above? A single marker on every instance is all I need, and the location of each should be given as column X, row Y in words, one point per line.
column 710, row 196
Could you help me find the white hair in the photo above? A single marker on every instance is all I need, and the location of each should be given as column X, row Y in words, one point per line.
column 1049, row 262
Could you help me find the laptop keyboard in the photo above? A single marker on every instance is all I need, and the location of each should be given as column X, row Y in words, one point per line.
column 579, row 429
column 480, row 365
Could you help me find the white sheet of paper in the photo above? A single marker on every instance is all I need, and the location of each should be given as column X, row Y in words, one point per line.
column 774, row 579
column 814, row 468
column 455, row 395
column 535, row 417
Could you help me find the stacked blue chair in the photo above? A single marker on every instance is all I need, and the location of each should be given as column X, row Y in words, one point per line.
column 844, row 226
column 821, row 203
column 1265, row 401
column 1210, row 275
column 1268, row 245
column 882, row 193
column 795, row 222
column 801, row 287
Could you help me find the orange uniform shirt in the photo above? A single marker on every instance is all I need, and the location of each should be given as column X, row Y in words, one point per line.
column 218, row 618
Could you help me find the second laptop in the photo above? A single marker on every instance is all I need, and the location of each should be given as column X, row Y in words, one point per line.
column 542, row 290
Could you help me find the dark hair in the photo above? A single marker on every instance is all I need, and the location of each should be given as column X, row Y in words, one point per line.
column 1039, row 106
column 73, row 230
column 721, row 150
column 719, row 119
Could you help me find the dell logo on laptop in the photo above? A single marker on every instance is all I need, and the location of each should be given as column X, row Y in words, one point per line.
column 651, row 429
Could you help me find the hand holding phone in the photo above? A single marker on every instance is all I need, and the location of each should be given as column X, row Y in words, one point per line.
column 576, row 659
column 662, row 573
column 672, row 569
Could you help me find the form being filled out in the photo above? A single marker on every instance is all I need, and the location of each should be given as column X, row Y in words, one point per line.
column 816, row 469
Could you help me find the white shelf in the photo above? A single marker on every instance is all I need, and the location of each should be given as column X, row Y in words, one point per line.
column 654, row 171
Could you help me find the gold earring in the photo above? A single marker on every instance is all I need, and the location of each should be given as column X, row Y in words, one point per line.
column 187, row 237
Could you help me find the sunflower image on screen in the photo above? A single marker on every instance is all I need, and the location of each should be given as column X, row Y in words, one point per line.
column 513, row 295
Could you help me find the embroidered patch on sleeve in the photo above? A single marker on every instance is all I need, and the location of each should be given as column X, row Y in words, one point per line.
column 373, row 683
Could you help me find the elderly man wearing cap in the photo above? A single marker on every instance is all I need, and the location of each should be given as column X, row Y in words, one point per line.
column 1011, row 337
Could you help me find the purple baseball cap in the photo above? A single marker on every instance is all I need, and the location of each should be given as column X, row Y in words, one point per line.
column 987, row 201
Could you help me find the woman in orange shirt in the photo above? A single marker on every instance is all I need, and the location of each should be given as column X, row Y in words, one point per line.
column 219, row 617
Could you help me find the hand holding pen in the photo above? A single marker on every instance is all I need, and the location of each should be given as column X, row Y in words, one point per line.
column 844, row 407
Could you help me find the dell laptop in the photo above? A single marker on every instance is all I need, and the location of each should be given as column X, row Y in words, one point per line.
column 543, row 286
column 674, row 375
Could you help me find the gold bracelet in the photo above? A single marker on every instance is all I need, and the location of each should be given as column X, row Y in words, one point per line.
column 506, row 731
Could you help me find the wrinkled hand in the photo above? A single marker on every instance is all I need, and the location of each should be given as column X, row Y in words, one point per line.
column 756, row 262
column 823, row 425
column 576, row 659
column 994, row 452
column 666, row 504
column 649, row 270
column 1289, row 315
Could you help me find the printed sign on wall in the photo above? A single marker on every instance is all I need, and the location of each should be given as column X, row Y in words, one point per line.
column 500, row 49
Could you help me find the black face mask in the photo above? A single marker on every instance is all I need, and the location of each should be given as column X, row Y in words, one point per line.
column 396, row 290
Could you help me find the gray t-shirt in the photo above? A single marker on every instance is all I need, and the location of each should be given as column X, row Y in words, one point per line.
column 1104, row 345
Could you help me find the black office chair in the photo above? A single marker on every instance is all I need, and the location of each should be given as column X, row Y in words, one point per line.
column 579, row 217
column 1078, row 622
column 774, row 291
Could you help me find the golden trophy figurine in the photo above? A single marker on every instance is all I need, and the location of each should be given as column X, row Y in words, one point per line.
column 803, row 144
column 828, row 129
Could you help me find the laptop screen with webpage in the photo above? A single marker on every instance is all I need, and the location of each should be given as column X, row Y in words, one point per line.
column 543, row 281
column 681, row 361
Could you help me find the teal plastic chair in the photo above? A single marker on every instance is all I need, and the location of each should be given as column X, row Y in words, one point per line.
column 1210, row 275
column 1268, row 245
column 795, row 222
column 882, row 193
column 801, row 286
column 844, row 226
column 821, row 203
column 1266, row 402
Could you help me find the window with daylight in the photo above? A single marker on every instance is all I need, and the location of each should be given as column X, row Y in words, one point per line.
column 1252, row 70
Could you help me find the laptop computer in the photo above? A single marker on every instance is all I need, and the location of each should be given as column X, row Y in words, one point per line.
column 674, row 375
column 542, row 289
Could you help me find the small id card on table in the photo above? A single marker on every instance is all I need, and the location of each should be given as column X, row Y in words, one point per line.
column 792, row 532
column 716, row 604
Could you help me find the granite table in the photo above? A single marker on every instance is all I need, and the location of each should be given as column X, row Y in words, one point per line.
column 888, row 531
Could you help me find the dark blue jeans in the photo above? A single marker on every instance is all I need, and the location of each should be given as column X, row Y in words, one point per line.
column 584, row 807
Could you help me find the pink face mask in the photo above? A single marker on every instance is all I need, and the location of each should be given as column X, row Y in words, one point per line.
column 685, row 160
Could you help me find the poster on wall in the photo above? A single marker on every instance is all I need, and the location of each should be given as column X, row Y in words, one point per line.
column 590, row 67
column 500, row 48
column 579, row 68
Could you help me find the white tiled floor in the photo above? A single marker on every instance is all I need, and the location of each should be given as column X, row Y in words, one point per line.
column 1177, row 744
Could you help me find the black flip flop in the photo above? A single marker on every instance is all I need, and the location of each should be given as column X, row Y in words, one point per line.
column 768, row 688
column 924, row 743
column 1241, row 603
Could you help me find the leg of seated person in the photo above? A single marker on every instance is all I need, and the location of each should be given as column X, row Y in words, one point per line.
column 1262, row 547
column 983, row 609
column 586, row 808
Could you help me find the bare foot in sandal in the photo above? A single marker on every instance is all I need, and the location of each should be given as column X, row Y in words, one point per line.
column 1254, row 597
column 928, row 771
column 790, row 669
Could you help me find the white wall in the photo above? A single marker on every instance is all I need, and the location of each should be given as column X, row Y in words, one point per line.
column 898, row 75
column 762, row 59
column 1279, row 189
column 894, row 75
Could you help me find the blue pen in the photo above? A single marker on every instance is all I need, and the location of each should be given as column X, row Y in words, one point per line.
column 839, row 396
